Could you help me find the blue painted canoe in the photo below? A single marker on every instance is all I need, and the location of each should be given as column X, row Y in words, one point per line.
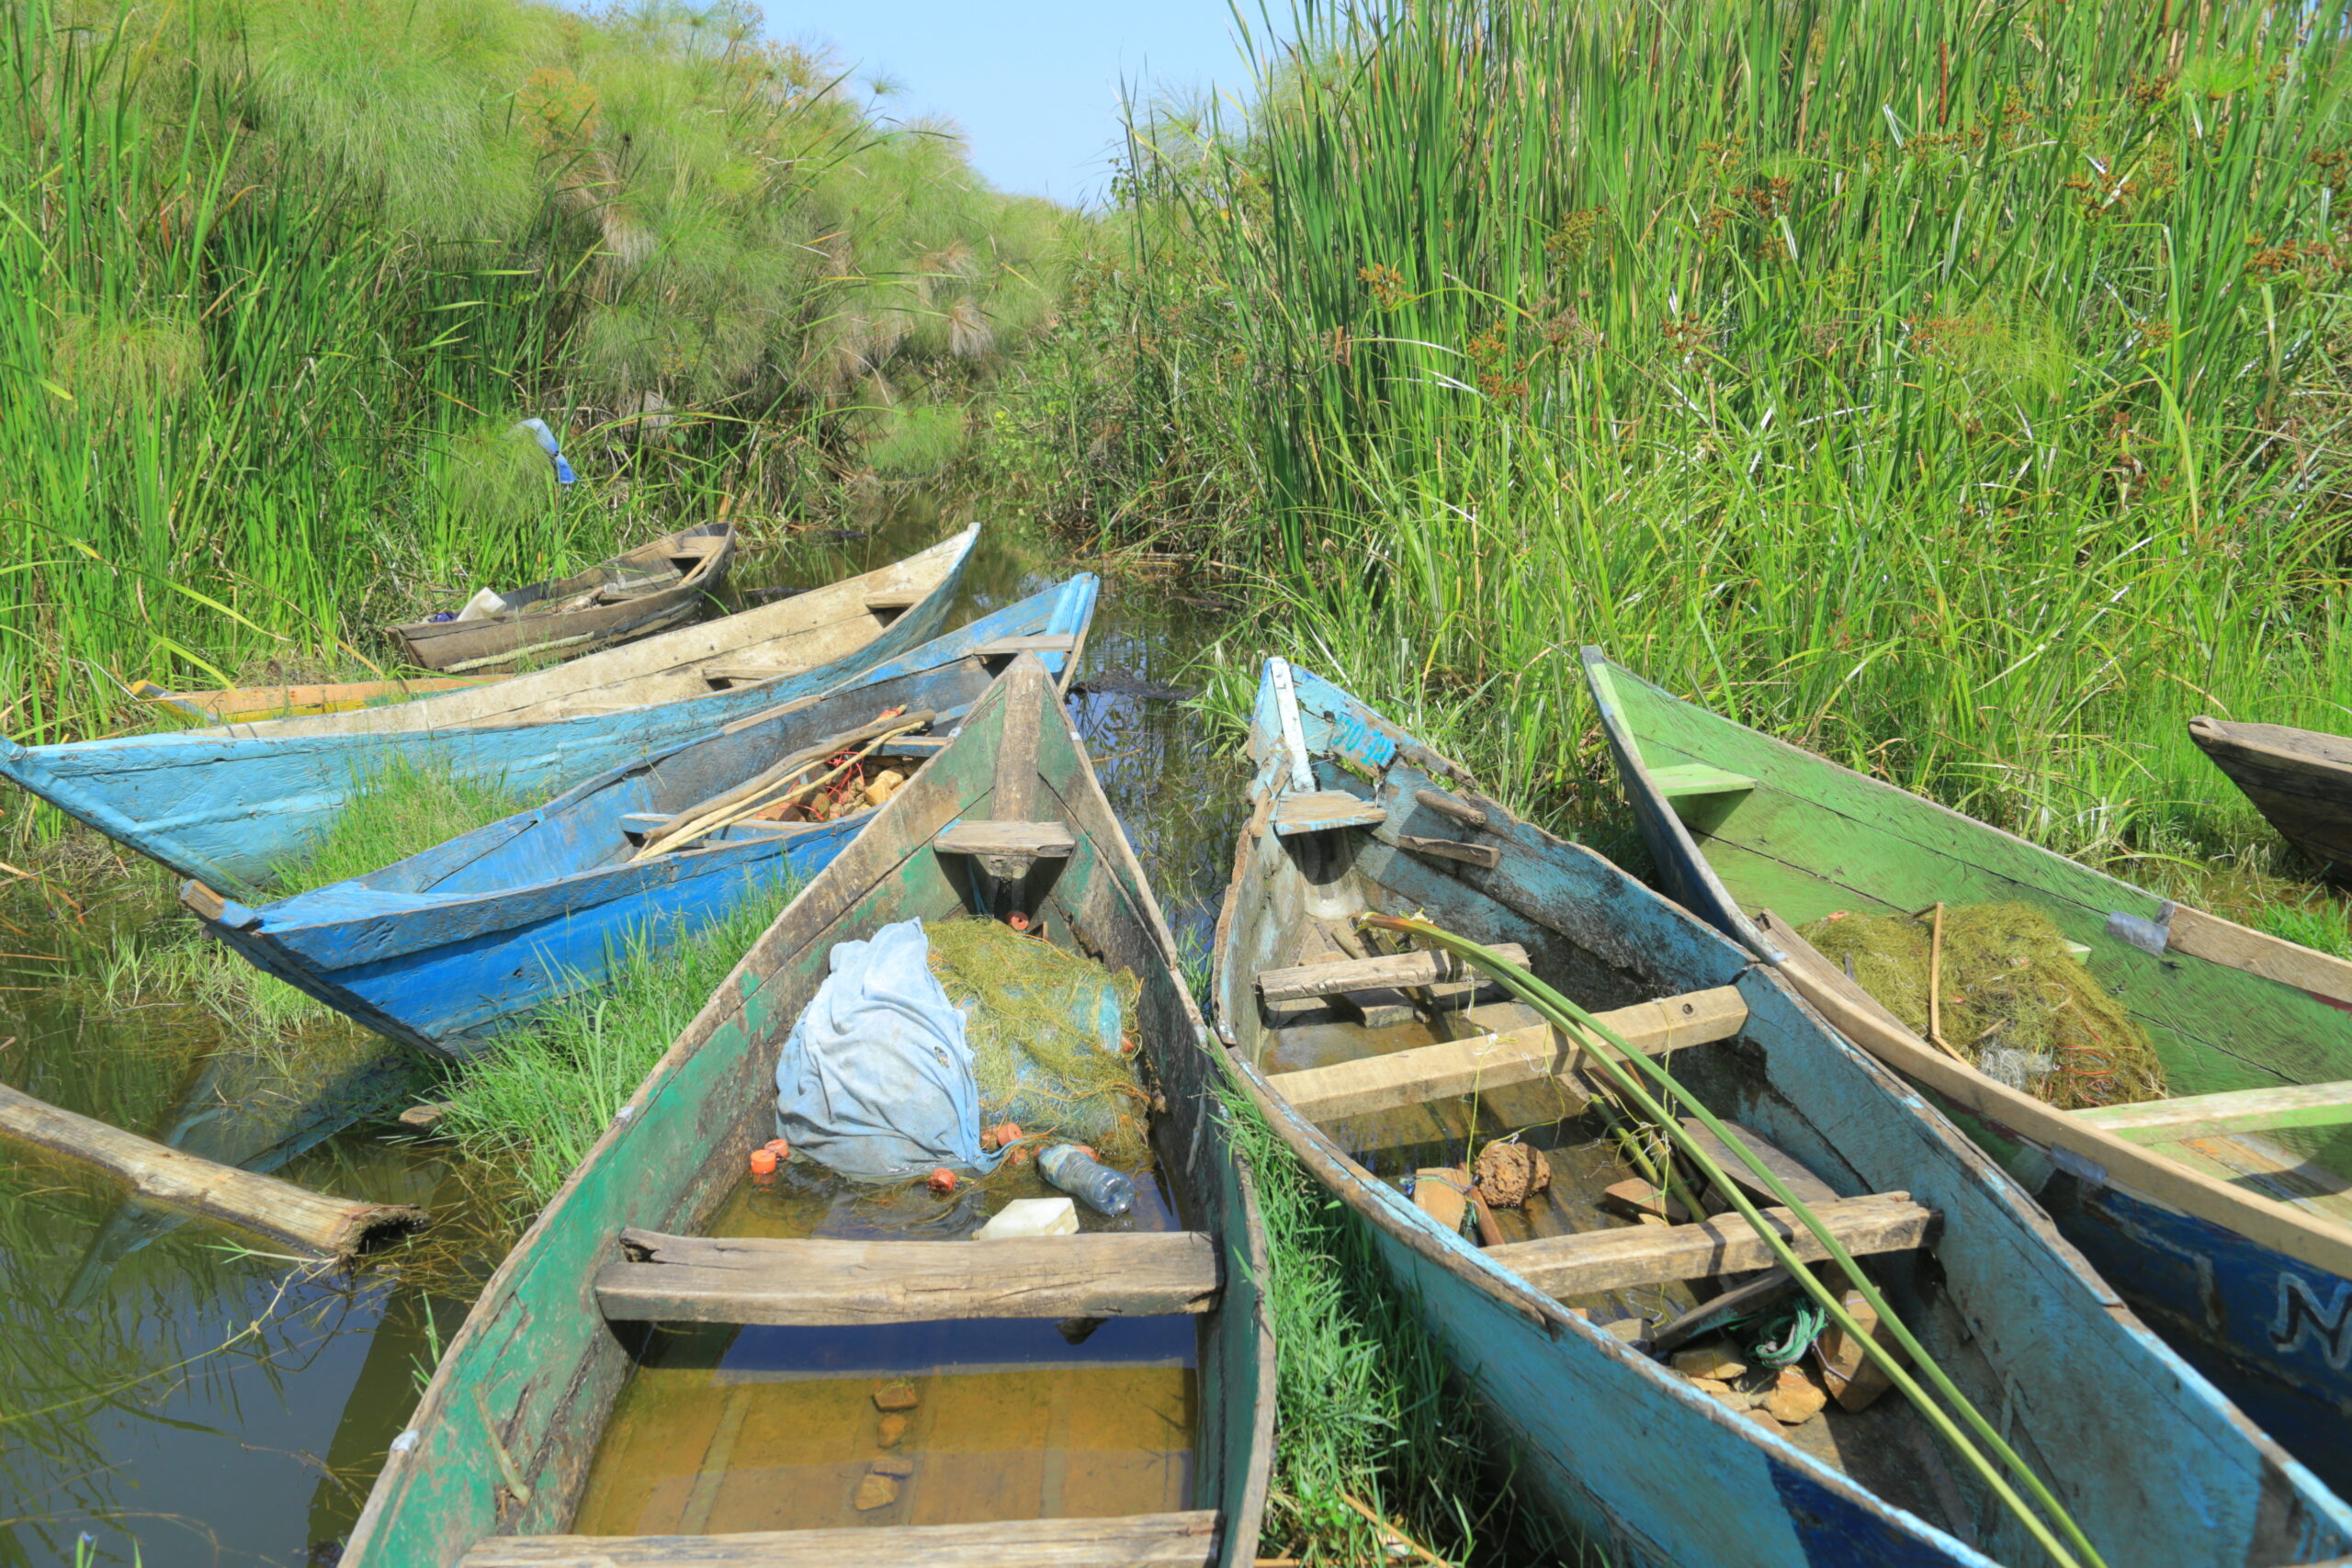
column 2155, row 1465
column 234, row 805
column 444, row 949
column 2224, row 1214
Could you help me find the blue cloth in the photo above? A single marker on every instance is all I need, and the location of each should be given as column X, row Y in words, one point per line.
column 875, row 1079
column 548, row 443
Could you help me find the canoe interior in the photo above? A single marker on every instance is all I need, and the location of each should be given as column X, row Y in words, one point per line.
column 529, row 1383
column 247, row 704
column 444, row 949
column 655, row 585
column 2142, row 1453
column 1808, row 838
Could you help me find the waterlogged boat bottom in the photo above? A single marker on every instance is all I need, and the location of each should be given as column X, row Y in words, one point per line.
column 721, row 1430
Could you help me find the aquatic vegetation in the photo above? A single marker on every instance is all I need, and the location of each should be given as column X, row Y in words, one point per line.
column 1963, row 400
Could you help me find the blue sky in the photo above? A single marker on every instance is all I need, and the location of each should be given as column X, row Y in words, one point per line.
column 1034, row 83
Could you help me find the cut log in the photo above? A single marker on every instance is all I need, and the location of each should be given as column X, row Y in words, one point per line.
column 1137, row 1541
column 1497, row 1061
column 1041, row 840
column 1388, row 971
column 752, row 1280
column 2241, row 1111
column 1658, row 1254
column 1807, row 1187
column 335, row 1226
column 1323, row 810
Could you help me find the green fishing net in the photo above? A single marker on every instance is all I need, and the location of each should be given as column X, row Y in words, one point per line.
column 2017, row 1002
column 1053, row 1035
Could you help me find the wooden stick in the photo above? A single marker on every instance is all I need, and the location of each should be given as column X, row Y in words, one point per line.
column 1936, row 987
column 705, row 818
column 335, row 1226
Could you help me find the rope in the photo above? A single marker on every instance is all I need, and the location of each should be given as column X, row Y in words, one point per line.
column 1783, row 1336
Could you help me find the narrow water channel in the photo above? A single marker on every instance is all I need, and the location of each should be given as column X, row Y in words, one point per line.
column 171, row 1396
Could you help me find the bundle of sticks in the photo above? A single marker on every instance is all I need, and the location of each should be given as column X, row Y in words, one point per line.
column 784, row 783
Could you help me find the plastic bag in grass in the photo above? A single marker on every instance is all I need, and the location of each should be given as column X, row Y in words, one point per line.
column 2017, row 1002
column 1049, row 1032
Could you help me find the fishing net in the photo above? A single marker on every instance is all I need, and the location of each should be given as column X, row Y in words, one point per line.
column 2017, row 1002
column 1052, row 1035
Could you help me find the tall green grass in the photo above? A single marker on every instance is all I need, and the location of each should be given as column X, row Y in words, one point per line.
column 280, row 277
column 1958, row 391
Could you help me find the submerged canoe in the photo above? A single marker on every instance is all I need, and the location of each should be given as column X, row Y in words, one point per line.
column 2224, row 1216
column 2300, row 779
column 234, row 805
column 445, row 948
column 640, row 591
column 1373, row 1082
column 246, row 704
column 505, row 1442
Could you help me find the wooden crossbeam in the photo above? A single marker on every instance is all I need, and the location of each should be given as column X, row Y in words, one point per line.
column 1040, row 642
column 1809, row 1187
column 757, row 1280
column 742, row 674
column 1325, row 810
column 1387, row 972
column 893, row 598
column 1497, row 1061
column 1187, row 1539
column 2240, row 1111
column 1657, row 1255
column 1687, row 779
column 990, row 836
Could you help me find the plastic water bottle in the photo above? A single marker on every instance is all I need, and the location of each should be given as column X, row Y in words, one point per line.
column 1086, row 1178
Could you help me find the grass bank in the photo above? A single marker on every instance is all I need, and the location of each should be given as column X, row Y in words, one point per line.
column 283, row 277
column 1960, row 394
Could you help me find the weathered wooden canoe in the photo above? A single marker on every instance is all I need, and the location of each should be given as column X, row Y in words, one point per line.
column 635, row 593
column 2224, row 1216
column 233, row 804
column 445, row 948
column 246, row 704
column 503, row 1444
column 2300, row 779
column 2153, row 1462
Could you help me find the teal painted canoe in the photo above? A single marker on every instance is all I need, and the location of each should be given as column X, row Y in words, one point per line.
column 1383, row 1071
column 2224, row 1216
column 505, row 1446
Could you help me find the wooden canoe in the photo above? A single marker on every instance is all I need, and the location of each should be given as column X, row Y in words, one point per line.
column 2300, row 779
column 233, row 804
column 2224, row 1216
column 444, row 949
column 245, row 704
column 638, row 592
column 1348, row 814
column 496, row 1459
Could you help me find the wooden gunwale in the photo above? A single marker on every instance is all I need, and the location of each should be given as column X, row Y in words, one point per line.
column 2300, row 779
column 449, row 1483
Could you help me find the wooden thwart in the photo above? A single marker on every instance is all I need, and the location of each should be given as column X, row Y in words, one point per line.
column 1388, row 971
column 752, row 1280
column 183, row 1180
column 1186, row 1540
column 1046, row 840
column 1808, row 1188
column 2242, row 1111
column 1657, row 1255
column 1484, row 855
column 1497, row 1061
column 1325, row 810
column 1038, row 642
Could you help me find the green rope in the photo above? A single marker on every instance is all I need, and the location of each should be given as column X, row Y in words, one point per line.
column 1783, row 1336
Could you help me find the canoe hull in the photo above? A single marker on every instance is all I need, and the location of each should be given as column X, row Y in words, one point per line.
column 2299, row 779
column 2272, row 1328
column 232, row 809
column 442, row 951
column 2157, row 1467
column 461, row 646
column 254, row 703
column 525, row 1387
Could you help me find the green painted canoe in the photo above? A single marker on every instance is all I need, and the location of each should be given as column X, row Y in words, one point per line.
column 2224, row 1214
column 495, row 1462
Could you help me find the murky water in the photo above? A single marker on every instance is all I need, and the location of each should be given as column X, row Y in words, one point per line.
column 169, row 1391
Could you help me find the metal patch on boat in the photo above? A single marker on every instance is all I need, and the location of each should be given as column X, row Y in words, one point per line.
column 2149, row 936
column 2077, row 1166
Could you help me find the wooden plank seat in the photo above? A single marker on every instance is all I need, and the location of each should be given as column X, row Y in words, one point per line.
column 1455, row 1067
column 1686, row 780
column 996, row 836
column 1808, row 1188
column 2242, row 1111
column 893, row 599
column 1323, row 810
column 1386, row 971
column 1040, row 642
column 1657, row 1255
column 675, row 1279
column 1186, row 1540
column 740, row 674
